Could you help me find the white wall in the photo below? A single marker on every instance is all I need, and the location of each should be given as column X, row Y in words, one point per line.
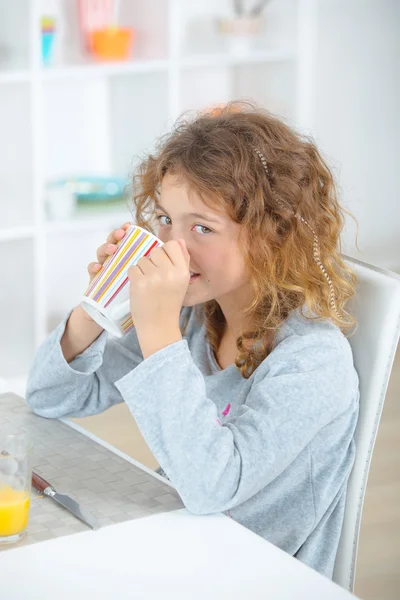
column 358, row 118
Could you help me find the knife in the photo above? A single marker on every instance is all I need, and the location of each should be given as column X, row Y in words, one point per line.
column 45, row 488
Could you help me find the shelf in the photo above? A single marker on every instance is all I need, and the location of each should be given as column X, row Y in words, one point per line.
column 15, row 76
column 81, row 115
column 90, row 219
column 91, row 69
column 16, row 233
column 226, row 59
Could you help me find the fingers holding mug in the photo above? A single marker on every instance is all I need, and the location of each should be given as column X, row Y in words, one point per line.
column 106, row 299
column 117, row 234
column 107, row 249
column 110, row 247
column 93, row 268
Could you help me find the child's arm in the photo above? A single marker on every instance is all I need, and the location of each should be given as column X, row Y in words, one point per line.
column 68, row 376
column 85, row 385
column 304, row 387
column 80, row 333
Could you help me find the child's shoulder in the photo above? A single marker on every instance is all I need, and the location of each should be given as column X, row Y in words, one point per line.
column 310, row 344
column 311, row 358
column 304, row 328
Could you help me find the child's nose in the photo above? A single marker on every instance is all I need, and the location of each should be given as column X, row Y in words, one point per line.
column 175, row 234
column 184, row 247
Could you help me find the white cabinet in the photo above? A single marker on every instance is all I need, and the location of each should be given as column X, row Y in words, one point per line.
column 78, row 117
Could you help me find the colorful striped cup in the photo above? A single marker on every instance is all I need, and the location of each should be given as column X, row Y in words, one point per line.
column 107, row 298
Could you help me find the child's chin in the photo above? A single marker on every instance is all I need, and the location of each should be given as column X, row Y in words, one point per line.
column 193, row 302
column 190, row 302
column 196, row 296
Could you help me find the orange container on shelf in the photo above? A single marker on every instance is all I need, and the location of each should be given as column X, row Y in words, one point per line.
column 112, row 43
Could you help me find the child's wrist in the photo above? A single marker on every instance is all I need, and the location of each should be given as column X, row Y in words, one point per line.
column 152, row 338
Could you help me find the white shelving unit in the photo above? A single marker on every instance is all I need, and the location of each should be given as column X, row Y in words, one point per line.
column 77, row 117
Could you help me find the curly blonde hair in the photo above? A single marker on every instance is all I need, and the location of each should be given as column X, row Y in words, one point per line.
column 215, row 154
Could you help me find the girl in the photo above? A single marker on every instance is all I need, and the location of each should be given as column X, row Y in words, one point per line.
column 238, row 371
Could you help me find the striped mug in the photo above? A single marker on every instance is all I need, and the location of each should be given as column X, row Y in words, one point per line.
column 107, row 298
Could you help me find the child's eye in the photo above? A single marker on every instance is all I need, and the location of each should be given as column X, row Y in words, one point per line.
column 159, row 217
column 202, row 228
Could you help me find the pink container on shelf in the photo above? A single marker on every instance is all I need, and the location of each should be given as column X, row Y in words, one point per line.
column 95, row 15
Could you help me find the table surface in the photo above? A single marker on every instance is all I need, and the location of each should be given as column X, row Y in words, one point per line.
column 172, row 555
column 110, row 487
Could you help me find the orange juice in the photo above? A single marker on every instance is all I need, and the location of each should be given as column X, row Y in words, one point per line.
column 14, row 510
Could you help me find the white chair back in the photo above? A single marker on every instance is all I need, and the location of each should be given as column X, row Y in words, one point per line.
column 376, row 306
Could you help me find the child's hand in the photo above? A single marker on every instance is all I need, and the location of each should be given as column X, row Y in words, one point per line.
column 105, row 250
column 158, row 286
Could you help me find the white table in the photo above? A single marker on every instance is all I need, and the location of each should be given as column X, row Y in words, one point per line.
column 173, row 555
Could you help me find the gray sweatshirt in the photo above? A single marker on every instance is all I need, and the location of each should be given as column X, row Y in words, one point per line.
column 274, row 452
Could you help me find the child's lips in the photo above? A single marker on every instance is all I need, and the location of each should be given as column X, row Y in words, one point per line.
column 193, row 276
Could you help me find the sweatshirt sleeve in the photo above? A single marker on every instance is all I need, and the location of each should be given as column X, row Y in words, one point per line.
column 86, row 385
column 216, row 467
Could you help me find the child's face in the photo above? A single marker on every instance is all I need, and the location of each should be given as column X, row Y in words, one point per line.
column 212, row 245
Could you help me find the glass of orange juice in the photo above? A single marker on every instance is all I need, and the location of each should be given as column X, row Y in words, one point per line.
column 15, row 486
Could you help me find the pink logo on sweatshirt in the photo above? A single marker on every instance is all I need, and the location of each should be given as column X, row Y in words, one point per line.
column 224, row 413
column 227, row 409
